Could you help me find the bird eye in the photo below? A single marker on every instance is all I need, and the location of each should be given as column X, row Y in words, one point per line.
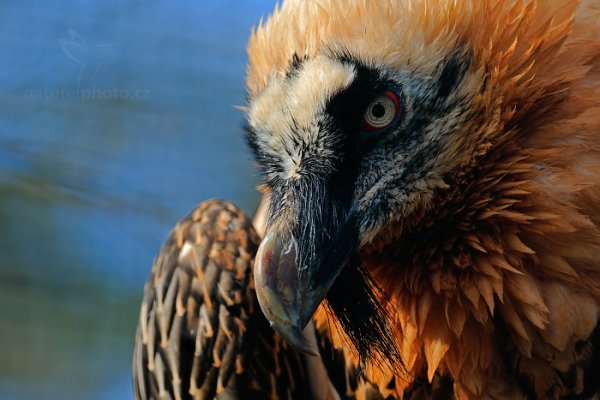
column 382, row 112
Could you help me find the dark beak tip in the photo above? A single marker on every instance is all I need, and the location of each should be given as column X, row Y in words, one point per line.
column 302, row 340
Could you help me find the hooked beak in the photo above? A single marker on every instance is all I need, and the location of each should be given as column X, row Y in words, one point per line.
column 282, row 291
column 288, row 292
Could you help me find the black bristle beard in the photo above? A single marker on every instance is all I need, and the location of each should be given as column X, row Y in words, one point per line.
column 359, row 307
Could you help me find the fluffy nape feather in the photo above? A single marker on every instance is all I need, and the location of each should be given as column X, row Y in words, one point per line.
column 496, row 280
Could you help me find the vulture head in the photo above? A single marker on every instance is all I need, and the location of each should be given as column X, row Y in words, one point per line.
column 408, row 151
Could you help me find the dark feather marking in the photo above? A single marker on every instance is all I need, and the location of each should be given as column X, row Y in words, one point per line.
column 452, row 74
column 440, row 388
column 589, row 353
column 295, row 65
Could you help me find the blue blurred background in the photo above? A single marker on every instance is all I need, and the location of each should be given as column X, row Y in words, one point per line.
column 116, row 118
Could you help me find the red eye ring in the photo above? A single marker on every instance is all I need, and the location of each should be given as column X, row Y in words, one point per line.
column 382, row 112
column 392, row 95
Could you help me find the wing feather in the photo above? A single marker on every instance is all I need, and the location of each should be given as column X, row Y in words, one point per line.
column 200, row 333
